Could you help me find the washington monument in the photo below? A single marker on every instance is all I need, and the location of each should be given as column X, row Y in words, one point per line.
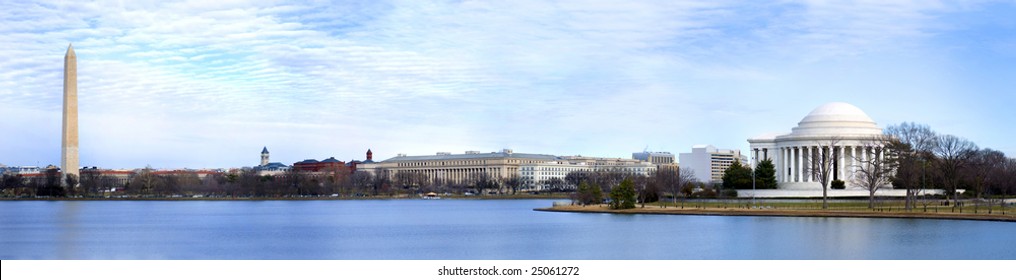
column 69, row 154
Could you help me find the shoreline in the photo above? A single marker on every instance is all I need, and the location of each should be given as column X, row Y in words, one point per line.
column 508, row 197
column 780, row 213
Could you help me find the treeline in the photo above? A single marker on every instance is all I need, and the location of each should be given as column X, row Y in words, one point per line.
column 741, row 177
column 924, row 159
column 624, row 190
column 248, row 183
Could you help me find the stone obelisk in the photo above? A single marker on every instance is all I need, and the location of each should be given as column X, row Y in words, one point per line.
column 69, row 155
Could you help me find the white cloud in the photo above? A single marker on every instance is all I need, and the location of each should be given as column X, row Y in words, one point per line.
column 574, row 76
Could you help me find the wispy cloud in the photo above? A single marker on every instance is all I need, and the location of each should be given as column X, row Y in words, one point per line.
column 319, row 78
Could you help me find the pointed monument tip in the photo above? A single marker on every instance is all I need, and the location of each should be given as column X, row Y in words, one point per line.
column 70, row 49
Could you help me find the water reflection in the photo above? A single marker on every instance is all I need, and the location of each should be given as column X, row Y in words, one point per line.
column 455, row 229
column 69, row 232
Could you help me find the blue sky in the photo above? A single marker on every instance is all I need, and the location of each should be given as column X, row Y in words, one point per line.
column 208, row 83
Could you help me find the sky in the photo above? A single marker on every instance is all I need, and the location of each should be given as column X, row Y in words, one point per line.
column 207, row 84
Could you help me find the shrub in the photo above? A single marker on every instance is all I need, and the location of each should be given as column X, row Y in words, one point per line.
column 704, row 193
column 839, row 185
column 728, row 193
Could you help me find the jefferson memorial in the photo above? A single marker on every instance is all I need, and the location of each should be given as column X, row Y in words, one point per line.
column 837, row 129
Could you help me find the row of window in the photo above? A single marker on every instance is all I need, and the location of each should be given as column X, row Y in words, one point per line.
column 460, row 162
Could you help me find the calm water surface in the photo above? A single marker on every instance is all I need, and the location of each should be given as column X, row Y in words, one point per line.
column 463, row 229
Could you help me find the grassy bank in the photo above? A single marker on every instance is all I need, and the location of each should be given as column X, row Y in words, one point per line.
column 800, row 209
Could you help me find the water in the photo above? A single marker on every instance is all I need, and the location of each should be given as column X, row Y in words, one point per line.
column 463, row 229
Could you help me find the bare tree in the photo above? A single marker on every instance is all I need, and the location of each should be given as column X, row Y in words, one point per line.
column 382, row 182
column 821, row 165
column 13, row 182
column 874, row 171
column 484, row 182
column 186, row 182
column 145, row 182
column 911, row 145
column 361, row 182
column 608, row 178
column 574, row 178
column 640, row 183
column 954, row 154
column 513, row 182
column 1008, row 181
column 90, row 182
column 985, row 170
column 674, row 179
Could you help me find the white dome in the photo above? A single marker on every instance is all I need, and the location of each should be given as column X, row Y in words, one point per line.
column 837, row 111
column 836, row 118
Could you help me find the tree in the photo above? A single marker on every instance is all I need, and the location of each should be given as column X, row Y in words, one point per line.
column 765, row 175
column 674, row 179
column 484, row 182
column 985, row 171
column 588, row 194
column 737, row 176
column 1008, row 180
column 145, row 182
column 382, row 182
column 911, row 145
column 90, row 182
column 15, row 183
column 51, row 185
column 188, row 182
column 361, row 182
column 514, row 182
column 874, row 171
column 651, row 192
column 574, row 178
column 623, row 195
column 954, row 154
column 555, row 184
column 822, row 165
column 606, row 178
column 71, row 181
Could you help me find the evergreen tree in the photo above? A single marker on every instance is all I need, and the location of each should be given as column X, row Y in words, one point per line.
column 765, row 175
column 737, row 176
column 589, row 194
column 623, row 195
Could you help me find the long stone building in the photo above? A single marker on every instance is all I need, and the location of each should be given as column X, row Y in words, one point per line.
column 459, row 168
column 534, row 170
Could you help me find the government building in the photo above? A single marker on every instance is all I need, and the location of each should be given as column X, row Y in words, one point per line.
column 459, row 168
column 834, row 129
column 534, row 171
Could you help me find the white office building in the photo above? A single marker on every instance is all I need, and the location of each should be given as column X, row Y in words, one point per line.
column 708, row 163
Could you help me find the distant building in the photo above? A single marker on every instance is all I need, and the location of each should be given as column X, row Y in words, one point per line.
column 327, row 165
column 264, row 156
column 708, row 163
column 536, row 176
column 354, row 165
column 459, row 168
column 534, row 170
column 654, row 157
column 269, row 168
column 22, row 170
